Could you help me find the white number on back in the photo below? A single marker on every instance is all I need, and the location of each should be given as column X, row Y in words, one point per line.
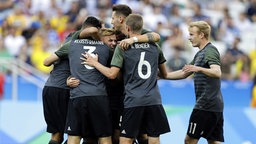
column 90, row 51
column 145, row 63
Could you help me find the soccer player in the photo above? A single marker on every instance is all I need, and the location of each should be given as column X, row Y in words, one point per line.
column 206, row 119
column 119, row 14
column 142, row 102
column 88, row 112
column 114, row 87
column 55, row 99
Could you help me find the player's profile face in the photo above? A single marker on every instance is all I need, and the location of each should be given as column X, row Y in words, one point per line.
column 194, row 36
column 116, row 21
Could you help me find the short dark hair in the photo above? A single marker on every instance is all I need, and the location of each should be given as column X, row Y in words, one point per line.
column 135, row 22
column 122, row 9
column 91, row 21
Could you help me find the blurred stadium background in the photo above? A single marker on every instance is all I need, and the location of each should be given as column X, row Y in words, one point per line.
column 32, row 29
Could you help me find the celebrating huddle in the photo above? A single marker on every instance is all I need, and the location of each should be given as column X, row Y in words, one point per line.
column 104, row 92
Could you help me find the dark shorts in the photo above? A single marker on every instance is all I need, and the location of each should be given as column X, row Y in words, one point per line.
column 152, row 120
column 55, row 105
column 206, row 124
column 116, row 98
column 89, row 116
column 116, row 115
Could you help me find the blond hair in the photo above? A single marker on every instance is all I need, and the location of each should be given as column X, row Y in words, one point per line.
column 203, row 27
column 107, row 32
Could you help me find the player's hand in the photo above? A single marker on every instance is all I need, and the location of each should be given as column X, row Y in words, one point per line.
column 124, row 44
column 89, row 59
column 72, row 82
column 190, row 68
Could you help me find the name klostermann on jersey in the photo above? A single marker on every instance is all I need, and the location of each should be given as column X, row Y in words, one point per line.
column 140, row 45
column 86, row 41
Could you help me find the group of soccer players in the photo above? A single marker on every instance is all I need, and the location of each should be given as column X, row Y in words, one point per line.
column 106, row 93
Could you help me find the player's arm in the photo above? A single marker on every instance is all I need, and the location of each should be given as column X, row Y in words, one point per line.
column 162, row 71
column 88, row 32
column 176, row 75
column 50, row 60
column 111, row 72
column 147, row 37
column 213, row 71
column 59, row 54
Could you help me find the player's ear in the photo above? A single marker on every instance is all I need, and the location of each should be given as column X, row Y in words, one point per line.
column 128, row 29
column 121, row 19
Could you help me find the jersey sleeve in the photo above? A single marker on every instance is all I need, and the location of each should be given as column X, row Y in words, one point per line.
column 212, row 56
column 161, row 58
column 62, row 53
column 118, row 57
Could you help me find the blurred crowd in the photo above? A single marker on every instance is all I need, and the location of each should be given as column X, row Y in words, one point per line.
column 30, row 30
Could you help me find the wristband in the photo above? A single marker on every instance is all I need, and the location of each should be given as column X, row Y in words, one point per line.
column 135, row 39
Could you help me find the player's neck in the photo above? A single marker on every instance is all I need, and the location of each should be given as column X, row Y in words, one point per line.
column 203, row 44
column 133, row 34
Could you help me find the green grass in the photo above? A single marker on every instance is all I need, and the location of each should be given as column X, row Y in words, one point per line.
column 170, row 110
column 43, row 138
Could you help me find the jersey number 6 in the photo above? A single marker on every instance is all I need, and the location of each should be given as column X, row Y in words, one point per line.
column 140, row 65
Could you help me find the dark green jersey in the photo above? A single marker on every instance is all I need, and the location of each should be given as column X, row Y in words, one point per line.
column 91, row 80
column 140, row 66
column 207, row 89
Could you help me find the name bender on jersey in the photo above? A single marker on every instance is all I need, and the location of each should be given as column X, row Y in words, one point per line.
column 142, row 45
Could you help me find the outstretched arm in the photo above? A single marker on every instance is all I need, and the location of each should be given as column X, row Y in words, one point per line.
column 213, row 71
column 111, row 72
column 179, row 74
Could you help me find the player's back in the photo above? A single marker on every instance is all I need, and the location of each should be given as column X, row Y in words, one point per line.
column 140, row 75
column 91, row 80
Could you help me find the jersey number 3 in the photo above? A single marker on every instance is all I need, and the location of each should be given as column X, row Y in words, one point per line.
column 90, row 51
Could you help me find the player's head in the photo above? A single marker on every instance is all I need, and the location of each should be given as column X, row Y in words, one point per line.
column 91, row 22
column 199, row 31
column 119, row 13
column 108, row 36
column 202, row 27
column 134, row 23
